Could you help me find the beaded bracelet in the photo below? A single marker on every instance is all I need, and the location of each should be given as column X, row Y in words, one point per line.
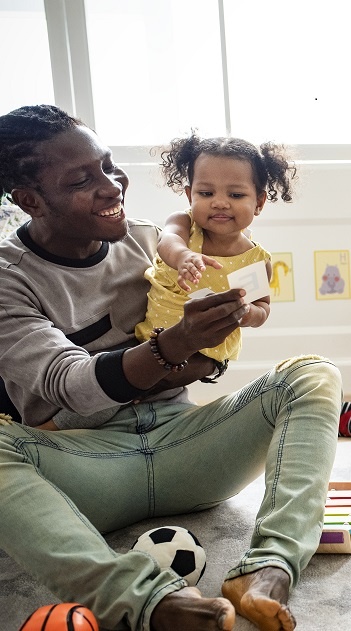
column 156, row 352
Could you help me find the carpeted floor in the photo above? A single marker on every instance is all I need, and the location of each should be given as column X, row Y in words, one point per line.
column 321, row 602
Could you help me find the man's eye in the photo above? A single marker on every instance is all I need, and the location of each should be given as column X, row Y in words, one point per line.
column 80, row 184
column 110, row 168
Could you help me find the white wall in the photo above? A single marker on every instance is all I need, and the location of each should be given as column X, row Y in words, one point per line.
column 318, row 219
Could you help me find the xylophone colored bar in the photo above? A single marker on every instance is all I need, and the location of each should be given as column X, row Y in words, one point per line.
column 336, row 535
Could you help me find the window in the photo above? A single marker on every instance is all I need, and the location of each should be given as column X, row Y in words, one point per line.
column 288, row 69
column 24, row 49
column 156, row 69
column 143, row 72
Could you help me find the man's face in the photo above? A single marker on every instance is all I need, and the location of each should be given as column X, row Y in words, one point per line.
column 82, row 192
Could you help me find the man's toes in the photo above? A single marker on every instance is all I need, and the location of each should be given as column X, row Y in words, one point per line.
column 286, row 618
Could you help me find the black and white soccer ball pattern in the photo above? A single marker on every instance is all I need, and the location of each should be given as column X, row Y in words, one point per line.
column 176, row 548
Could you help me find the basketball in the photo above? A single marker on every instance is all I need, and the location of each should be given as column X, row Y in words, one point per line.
column 61, row 617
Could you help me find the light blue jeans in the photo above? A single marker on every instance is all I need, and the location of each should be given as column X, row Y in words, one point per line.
column 60, row 490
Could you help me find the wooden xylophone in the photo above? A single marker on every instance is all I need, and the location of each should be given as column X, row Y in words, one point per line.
column 336, row 537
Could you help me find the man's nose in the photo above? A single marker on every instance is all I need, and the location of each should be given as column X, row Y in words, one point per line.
column 110, row 187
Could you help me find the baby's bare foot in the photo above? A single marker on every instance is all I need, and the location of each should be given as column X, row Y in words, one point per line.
column 186, row 610
column 261, row 597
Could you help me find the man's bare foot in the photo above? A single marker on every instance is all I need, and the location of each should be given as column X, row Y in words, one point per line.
column 261, row 597
column 186, row 610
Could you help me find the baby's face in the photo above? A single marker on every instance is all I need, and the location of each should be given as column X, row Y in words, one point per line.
column 223, row 195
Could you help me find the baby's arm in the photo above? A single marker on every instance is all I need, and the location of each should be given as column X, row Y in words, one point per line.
column 259, row 309
column 173, row 250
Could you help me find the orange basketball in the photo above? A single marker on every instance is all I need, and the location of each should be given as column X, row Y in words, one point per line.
column 62, row 617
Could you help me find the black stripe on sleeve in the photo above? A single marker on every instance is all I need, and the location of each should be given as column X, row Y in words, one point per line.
column 110, row 375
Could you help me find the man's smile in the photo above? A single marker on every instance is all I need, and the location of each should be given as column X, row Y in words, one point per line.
column 114, row 212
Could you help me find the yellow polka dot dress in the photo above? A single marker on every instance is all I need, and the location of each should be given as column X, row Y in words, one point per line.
column 166, row 299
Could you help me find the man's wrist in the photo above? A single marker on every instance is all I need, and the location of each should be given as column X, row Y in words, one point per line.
column 220, row 368
column 155, row 349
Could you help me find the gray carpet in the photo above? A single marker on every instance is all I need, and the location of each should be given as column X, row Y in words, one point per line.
column 320, row 603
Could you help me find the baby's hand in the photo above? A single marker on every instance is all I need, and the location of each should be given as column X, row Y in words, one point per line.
column 5, row 419
column 257, row 314
column 190, row 266
column 247, row 318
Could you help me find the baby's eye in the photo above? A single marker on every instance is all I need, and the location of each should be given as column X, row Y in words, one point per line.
column 236, row 195
column 205, row 193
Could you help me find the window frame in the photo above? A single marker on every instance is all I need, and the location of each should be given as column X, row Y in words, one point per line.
column 69, row 52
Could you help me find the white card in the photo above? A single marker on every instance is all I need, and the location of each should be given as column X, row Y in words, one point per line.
column 253, row 278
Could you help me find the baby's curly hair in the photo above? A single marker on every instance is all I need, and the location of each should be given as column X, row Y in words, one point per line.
column 271, row 167
column 20, row 132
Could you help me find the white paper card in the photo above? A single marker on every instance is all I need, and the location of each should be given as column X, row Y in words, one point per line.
column 253, row 278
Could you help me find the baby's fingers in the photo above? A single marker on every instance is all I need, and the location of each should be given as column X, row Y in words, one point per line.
column 182, row 283
column 212, row 262
column 189, row 272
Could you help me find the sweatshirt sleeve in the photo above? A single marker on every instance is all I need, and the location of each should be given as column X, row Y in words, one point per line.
column 71, row 420
column 110, row 375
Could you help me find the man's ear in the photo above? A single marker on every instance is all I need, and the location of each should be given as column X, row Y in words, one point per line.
column 29, row 200
column 188, row 193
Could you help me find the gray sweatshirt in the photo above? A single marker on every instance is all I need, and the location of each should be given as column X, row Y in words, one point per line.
column 60, row 318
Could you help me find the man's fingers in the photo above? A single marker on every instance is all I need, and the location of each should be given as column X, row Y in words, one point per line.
column 234, row 296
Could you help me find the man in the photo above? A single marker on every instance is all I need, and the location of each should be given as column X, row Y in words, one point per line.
column 72, row 290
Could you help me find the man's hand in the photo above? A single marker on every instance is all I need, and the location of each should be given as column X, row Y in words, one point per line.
column 199, row 366
column 49, row 426
column 206, row 323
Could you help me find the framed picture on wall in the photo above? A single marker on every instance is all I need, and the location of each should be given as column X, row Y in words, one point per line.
column 282, row 281
column 332, row 274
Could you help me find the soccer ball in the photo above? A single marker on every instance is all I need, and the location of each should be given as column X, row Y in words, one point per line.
column 176, row 548
column 61, row 617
